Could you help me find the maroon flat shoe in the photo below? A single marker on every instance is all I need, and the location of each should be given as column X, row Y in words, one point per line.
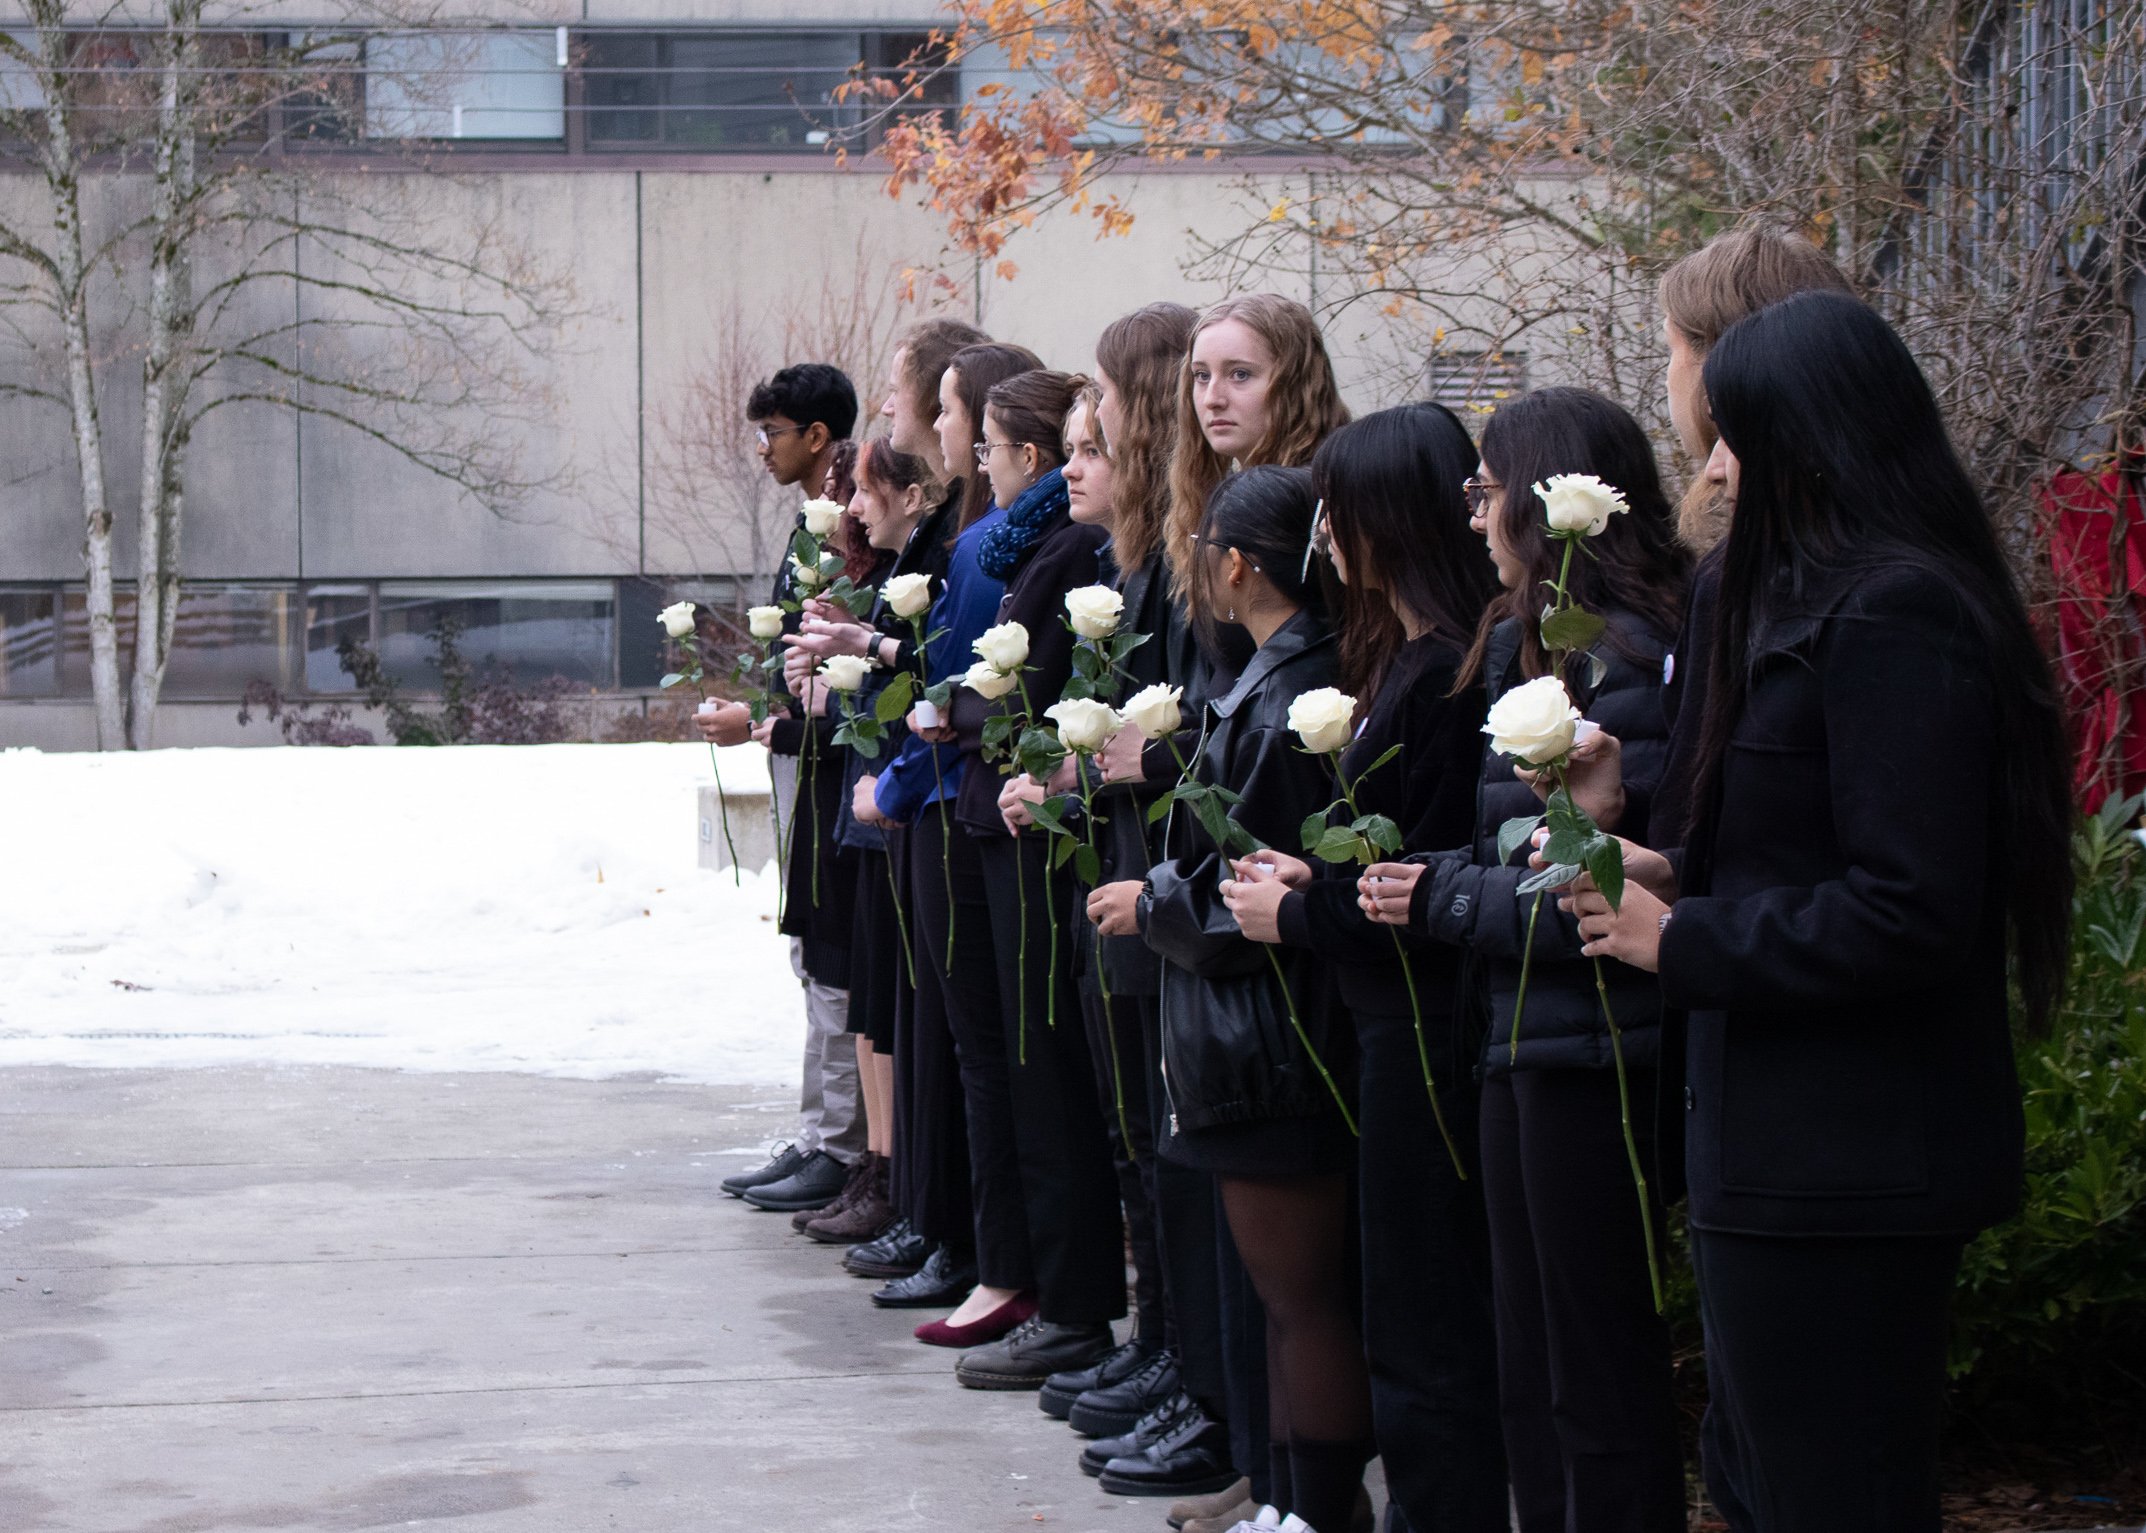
column 976, row 1333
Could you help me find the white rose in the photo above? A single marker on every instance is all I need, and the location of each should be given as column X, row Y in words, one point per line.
column 1324, row 719
column 1579, row 503
column 677, row 619
column 807, row 576
column 1004, row 648
column 1154, row 711
column 986, row 681
column 844, row 673
column 907, row 595
column 1094, row 611
column 1534, row 723
column 764, row 623
column 1084, row 724
column 822, row 516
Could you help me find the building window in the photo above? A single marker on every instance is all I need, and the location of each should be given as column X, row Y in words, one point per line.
column 465, row 85
column 1477, row 380
column 224, row 637
column 718, row 90
column 333, row 614
column 29, row 644
column 535, row 629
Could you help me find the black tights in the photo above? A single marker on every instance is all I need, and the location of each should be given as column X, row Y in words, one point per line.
column 1293, row 1233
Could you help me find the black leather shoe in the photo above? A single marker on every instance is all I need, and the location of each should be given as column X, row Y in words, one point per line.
column 897, row 1253
column 1113, row 1409
column 1031, row 1352
column 814, row 1184
column 1145, row 1434
column 781, row 1164
column 941, row 1283
column 1060, row 1390
column 1191, row 1459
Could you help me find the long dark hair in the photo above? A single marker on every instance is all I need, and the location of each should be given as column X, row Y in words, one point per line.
column 1637, row 565
column 977, row 370
column 1391, row 484
column 1265, row 513
column 1031, row 408
column 1845, row 470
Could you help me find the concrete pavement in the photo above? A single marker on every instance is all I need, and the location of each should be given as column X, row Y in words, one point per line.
column 343, row 1299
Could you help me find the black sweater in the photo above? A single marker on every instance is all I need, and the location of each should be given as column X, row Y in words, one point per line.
column 1428, row 790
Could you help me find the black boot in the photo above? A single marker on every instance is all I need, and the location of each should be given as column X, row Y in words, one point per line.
column 942, row 1282
column 1031, row 1352
column 895, row 1254
column 1060, row 1390
column 814, row 1184
column 784, row 1161
column 1145, row 1433
column 1190, row 1459
column 1114, row 1408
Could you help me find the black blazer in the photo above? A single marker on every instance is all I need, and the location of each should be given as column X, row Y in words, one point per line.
column 1229, row 1054
column 1466, row 898
column 1840, row 939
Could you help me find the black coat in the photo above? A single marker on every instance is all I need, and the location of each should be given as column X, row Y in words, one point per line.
column 1065, row 557
column 1840, row 936
column 1466, row 898
column 1428, row 790
column 1229, row 1054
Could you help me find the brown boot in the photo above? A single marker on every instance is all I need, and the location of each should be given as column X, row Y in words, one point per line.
column 859, row 1178
column 867, row 1216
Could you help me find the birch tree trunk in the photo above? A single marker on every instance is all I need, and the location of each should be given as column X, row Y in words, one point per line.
column 64, row 180
column 163, row 366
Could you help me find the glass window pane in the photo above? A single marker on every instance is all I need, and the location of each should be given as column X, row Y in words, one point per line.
column 622, row 86
column 29, row 644
column 223, row 638
column 490, row 85
column 333, row 614
column 719, row 90
column 534, row 629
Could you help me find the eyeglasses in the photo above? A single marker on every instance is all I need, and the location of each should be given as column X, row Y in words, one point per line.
column 1478, row 492
column 1321, row 541
column 985, row 449
column 766, row 434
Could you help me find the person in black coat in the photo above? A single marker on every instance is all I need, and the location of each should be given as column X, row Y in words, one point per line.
column 1585, row 1384
column 1396, row 525
column 1882, row 818
column 1254, row 1073
column 1075, row 1233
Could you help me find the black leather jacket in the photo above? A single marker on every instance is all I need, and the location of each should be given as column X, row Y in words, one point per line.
column 1465, row 897
column 1229, row 1053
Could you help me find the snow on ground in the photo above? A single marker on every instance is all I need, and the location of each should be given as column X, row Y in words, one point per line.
column 530, row 908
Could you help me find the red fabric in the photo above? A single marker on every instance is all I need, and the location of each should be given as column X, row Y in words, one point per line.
column 2097, row 551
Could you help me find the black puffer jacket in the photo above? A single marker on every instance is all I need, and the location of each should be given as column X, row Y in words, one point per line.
column 1229, row 1054
column 1466, row 898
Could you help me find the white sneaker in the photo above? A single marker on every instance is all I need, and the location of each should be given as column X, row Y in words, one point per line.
column 1268, row 1518
column 1295, row 1524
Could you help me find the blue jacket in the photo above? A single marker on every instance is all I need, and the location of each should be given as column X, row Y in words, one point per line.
column 966, row 607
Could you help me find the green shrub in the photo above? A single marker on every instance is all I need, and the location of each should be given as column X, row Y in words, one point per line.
column 2051, row 1311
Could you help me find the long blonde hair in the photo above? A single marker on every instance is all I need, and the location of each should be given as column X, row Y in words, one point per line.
column 1143, row 353
column 1303, row 407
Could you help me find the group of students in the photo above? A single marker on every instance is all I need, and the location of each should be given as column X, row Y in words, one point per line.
column 1359, row 1130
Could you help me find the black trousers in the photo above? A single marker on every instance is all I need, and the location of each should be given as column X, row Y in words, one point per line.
column 969, row 993
column 1591, row 1436
column 1121, row 1082
column 1825, row 1365
column 1075, row 1233
column 1191, row 1241
column 1426, row 1282
column 931, row 1132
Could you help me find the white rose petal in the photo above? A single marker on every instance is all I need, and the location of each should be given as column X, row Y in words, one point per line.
column 1004, row 648
column 677, row 619
column 985, row 680
column 1154, row 711
column 1534, row 723
column 1084, row 724
column 822, row 517
column 764, row 623
column 1094, row 611
column 807, row 576
column 845, row 673
column 907, row 595
column 1580, row 503
column 1324, row 719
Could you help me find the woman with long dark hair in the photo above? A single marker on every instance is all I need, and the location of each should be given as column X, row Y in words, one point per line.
column 1255, row 1074
column 1583, row 1359
column 1395, row 518
column 1882, row 819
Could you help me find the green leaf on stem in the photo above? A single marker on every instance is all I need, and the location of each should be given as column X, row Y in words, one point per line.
column 1390, row 752
column 1513, row 835
column 894, row 698
column 1051, row 814
column 1380, row 832
column 1571, row 628
column 1341, row 843
column 1313, row 828
column 1239, row 842
column 1605, row 864
column 1161, row 807
column 939, row 693
column 1087, row 865
column 1077, row 687
column 1556, row 876
column 1062, row 850
column 672, row 679
column 805, row 549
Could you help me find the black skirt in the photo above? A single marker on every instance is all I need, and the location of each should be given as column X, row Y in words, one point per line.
column 1314, row 1146
column 876, row 970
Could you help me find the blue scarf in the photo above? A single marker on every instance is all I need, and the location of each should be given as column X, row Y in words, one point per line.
column 1025, row 520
